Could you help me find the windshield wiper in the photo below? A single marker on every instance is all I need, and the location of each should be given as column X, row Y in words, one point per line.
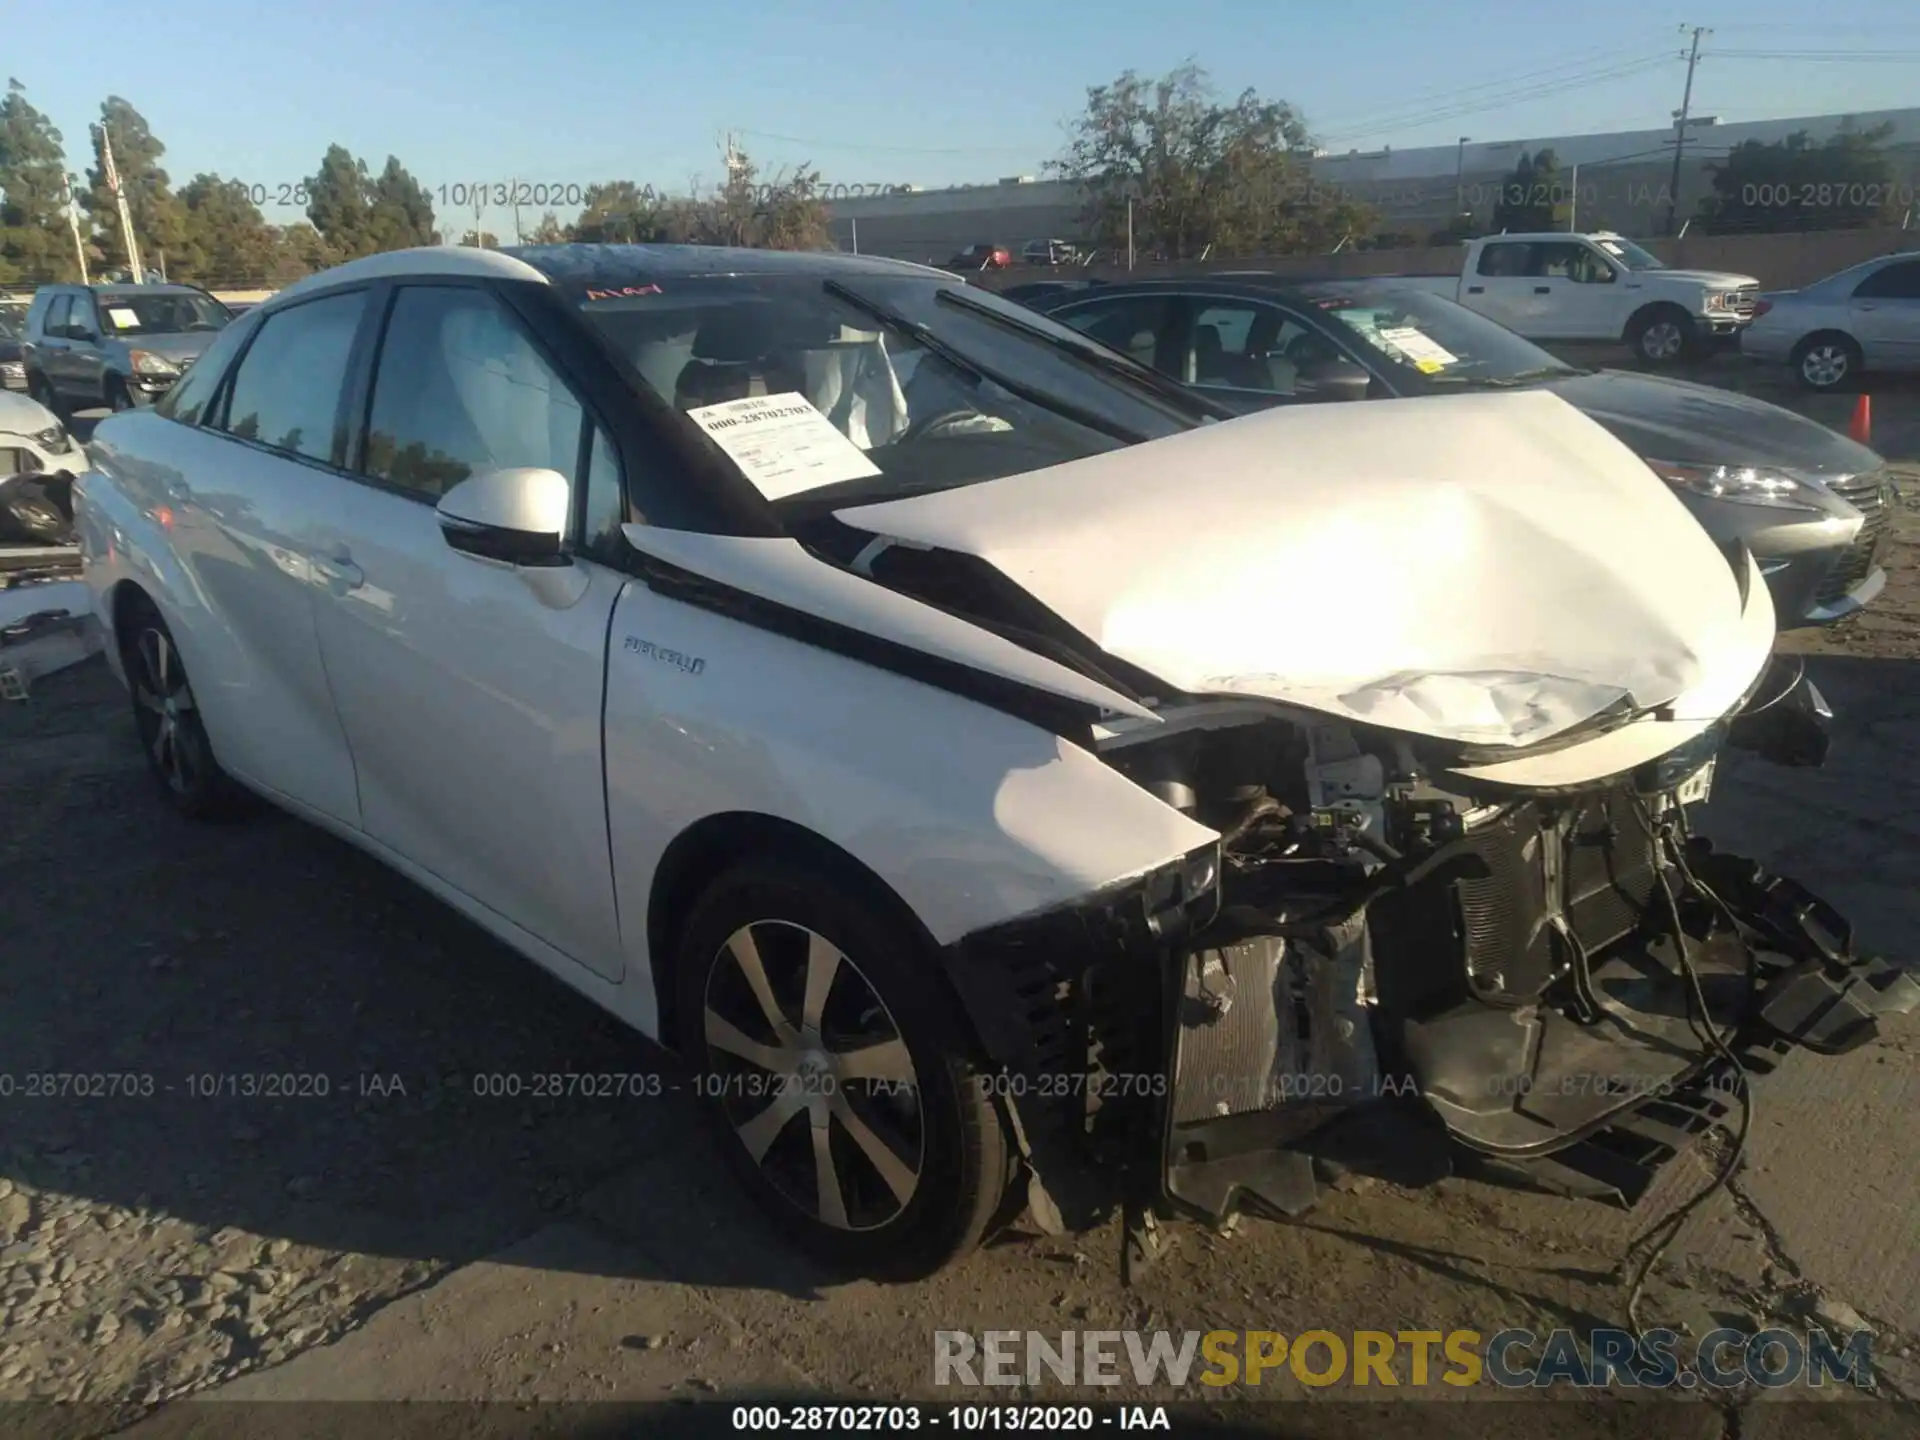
column 894, row 320
column 1111, row 361
column 1521, row 377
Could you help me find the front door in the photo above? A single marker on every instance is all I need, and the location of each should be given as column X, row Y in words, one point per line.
column 471, row 691
column 1886, row 317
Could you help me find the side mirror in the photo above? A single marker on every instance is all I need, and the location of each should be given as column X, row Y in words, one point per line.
column 515, row 517
column 1336, row 380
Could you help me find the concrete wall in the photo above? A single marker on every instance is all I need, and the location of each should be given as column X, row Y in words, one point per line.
column 1780, row 262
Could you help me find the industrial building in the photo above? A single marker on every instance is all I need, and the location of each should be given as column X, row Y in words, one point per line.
column 1622, row 182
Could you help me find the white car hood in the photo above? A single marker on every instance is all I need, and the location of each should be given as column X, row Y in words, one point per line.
column 1712, row 279
column 20, row 415
column 1490, row 569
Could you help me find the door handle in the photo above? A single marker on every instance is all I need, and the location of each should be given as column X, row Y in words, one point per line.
column 1476, row 289
column 342, row 574
column 1543, row 289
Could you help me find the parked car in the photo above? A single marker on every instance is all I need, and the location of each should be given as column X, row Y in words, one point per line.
column 1050, row 252
column 1811, row 504
column 38, row 460
column 115, row 345
column 1864, row 319
column 981, row 256
column 1602, row 286
column 893, row 701
column 13, row 369
column 1040, row 292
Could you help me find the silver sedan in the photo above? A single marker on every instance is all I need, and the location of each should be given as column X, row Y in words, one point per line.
column 1865, row 318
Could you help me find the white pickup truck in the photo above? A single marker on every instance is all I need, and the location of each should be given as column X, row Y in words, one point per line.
column 1601, row 286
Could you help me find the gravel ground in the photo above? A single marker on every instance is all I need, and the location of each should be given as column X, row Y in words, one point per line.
column 239, row 1118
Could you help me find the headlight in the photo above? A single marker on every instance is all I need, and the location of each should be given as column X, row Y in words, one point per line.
column 13, row 369
column 1742, row 484
column 145, row 362
column 54, row 439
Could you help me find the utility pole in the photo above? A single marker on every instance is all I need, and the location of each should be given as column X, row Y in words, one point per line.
column 1460, row 177
column 135, row 272
column 73, row 224
column 513, row 194
column 1680, row 129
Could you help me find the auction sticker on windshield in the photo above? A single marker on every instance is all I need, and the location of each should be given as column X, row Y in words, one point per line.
column 783, row 444
column 1426, row 356
column 125, row 319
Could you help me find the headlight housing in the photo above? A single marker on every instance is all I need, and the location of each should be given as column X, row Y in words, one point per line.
column 145, row 362
column 1741, row 484
column 54, row 440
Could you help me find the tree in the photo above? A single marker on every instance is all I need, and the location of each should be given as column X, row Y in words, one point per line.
column 1190, row 172
column 1529, row 193
column 35, row 242
column 1844, row 183
column 359, row 214
column 485, row 239
column 549, row 231
column 158, row 218
column 299, row 249
column 787, row 213
column 224, row 236
column 402, row 209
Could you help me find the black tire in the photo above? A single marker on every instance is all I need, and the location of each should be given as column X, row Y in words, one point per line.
column 1828, row 362
column 886, row 1001
column 1663, row 335
column 167, row 720
column 34, row 518
column 118, row 396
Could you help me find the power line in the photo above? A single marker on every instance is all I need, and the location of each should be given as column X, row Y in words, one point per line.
column 1450, row 94
column 1501, row 102
column 1854, row 57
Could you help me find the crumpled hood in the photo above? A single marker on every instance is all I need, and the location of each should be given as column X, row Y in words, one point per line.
column 21, row 415
column 1490, row 569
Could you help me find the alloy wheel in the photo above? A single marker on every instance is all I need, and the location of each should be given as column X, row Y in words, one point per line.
column 1825, row 365
column 813, row 1075
column 166, row 703
column 1663, row 340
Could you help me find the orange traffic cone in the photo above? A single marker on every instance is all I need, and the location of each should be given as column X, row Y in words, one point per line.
column 1862, row 428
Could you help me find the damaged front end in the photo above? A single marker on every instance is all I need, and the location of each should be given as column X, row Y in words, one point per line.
column 1390, row 966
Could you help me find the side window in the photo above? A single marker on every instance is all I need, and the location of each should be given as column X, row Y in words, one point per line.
column 1894, row 282
column 1504, row 260
column 460, row 387
column 1131, row 324
column 187, row 400
column 1555, row 261
column 606, row 509
column 82, row 315
column 287, row 391
column 54, row 326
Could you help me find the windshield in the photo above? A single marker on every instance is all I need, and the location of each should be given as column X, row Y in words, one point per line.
column 868, row 387
column 1630, row 254
column 164, row 314
column 1430, row 341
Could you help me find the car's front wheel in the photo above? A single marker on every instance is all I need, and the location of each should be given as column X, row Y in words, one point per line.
column 1664, row 335
column 825, row 1046
column 166, row 715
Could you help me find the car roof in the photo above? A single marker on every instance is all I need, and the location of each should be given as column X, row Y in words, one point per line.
column 597, row 265
column 131, row 291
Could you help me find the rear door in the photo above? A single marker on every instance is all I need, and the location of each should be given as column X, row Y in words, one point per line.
column 470, row 690
column 1886, row 316
column 248, row 463
column 1499, row 286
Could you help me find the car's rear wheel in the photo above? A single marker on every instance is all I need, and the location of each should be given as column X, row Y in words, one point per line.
column 1827, row 362
column 166, row 716
column 826, row 1047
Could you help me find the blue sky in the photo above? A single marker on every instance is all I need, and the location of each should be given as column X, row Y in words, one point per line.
column 575, row 91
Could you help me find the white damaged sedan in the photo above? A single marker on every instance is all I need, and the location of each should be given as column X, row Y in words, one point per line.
column 1002, row 780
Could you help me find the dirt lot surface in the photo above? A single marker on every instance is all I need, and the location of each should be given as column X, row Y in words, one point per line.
column 168, row 1229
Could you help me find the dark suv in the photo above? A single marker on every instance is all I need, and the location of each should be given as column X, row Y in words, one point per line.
column 115, row 345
